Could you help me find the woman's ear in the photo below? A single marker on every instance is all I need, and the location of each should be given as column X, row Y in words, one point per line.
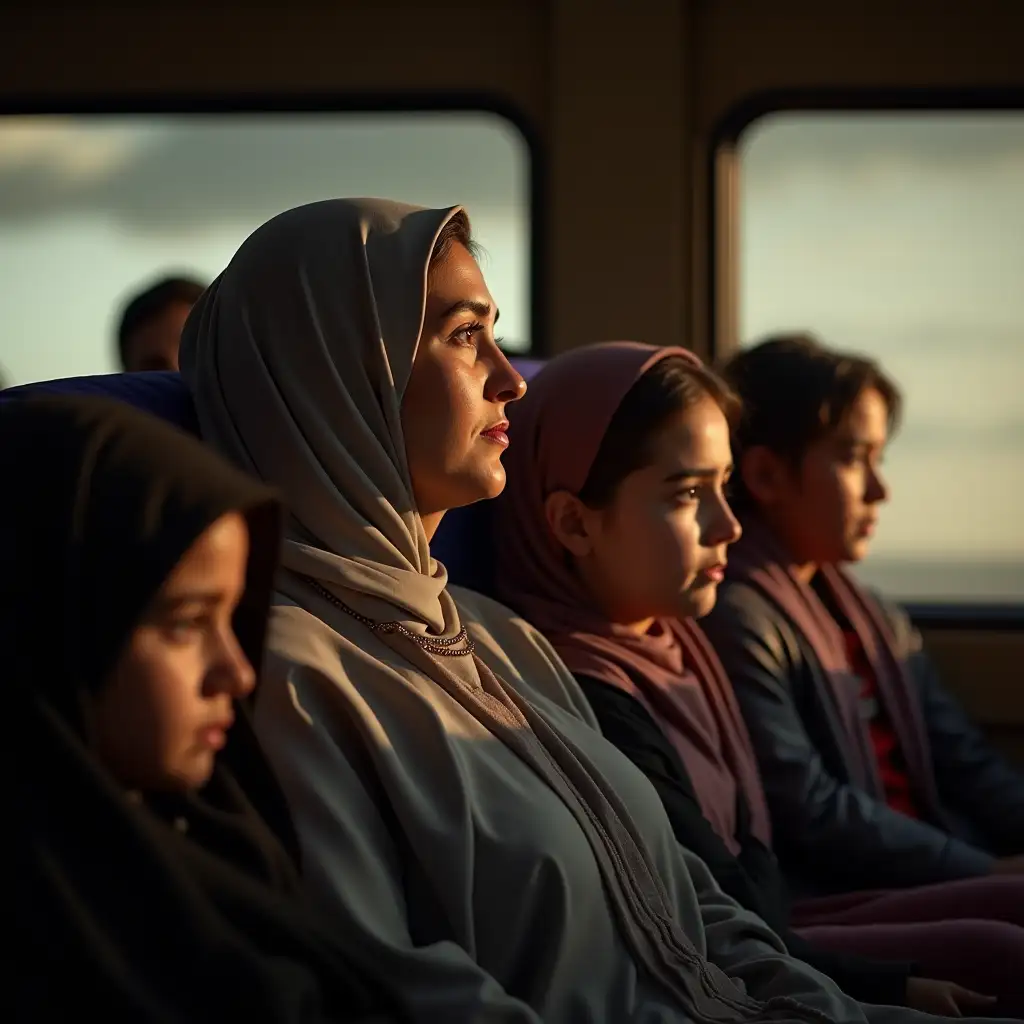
column 570, row 521
column 763, row 473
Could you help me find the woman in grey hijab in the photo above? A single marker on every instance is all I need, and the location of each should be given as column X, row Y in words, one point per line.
column 455, row 801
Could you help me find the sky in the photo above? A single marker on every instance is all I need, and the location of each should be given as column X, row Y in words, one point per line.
column 91, row 208
column 901, row 236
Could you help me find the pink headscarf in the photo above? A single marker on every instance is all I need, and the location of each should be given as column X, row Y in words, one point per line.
column 671, row 670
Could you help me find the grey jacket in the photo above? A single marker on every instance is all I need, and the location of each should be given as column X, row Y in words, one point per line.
column 829, row 834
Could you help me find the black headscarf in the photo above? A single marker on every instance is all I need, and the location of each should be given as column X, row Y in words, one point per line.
column 128, row 907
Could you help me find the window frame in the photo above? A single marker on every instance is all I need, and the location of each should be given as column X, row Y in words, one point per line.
column 723, row 248
column 468, row 102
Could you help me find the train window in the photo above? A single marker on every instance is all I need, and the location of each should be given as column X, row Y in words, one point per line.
column 901, row 235
column 93, row 207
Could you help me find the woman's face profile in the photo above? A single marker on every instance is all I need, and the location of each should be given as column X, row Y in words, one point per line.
column 165, row 710
column 453, row 409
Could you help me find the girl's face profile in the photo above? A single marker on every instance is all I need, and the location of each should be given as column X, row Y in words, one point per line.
column 659, row 548
column 163, row 714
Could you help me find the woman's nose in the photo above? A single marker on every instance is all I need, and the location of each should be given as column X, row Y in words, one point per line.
column 505, row 383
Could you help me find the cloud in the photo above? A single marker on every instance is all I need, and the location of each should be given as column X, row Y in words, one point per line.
column 778, row 145
column 56, row 146
column 188, row 173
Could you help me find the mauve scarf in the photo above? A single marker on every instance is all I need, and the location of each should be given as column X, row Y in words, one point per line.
column 671, row 670
column 760, row 561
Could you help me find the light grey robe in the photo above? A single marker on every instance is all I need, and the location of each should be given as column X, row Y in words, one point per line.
column 475, row 894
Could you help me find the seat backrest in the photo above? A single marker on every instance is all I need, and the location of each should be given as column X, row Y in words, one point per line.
column 158, row 392
column 463, row 541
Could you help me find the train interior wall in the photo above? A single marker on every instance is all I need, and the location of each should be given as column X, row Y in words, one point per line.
column 624, row 106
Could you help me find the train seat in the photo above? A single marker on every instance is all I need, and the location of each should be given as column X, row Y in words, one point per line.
column 161, row 393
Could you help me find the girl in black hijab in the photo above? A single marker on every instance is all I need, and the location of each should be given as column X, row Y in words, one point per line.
column 154, row 874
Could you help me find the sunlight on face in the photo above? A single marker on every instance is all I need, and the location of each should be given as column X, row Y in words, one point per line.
column 164, row 713
column 832, row 506
column 453, row 410
column 659, row 549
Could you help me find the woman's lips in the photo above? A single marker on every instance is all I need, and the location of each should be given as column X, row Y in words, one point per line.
column 497, row 434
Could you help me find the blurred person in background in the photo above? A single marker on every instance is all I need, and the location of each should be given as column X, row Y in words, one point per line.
column 150, row 325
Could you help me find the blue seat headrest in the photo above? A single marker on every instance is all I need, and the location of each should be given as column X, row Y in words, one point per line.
column 158, row 392
column 462, row 542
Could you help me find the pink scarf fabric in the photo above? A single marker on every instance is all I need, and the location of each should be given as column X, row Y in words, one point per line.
column 671, row 670
column 759, row 560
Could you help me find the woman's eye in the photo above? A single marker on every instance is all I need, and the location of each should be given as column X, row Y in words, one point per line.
column 466, row 335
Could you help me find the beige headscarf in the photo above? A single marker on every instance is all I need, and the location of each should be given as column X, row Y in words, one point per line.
column 298, row 356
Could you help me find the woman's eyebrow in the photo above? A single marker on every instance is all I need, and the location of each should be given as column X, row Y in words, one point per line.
column 480, row 309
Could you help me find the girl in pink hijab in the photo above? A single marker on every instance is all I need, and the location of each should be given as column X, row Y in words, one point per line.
column 614, row 533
